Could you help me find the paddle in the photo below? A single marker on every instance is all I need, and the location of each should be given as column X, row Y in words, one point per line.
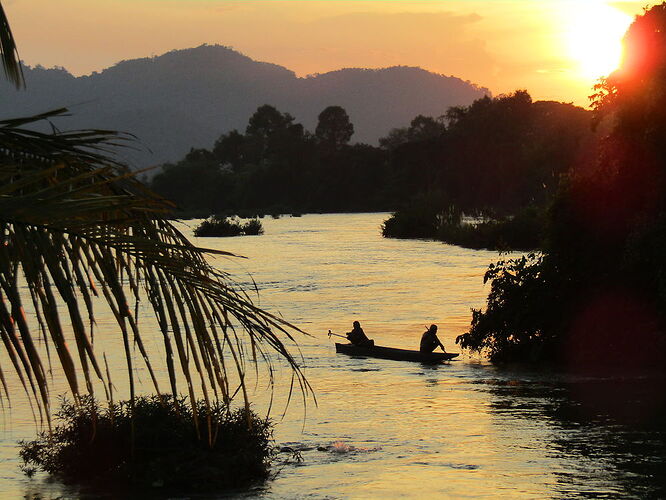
column 331, row 333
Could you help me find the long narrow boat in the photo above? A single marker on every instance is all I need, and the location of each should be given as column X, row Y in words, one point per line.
column 394, row 354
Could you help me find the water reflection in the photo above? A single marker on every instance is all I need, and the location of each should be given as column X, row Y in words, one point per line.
column 457, row 430
column 609, row 433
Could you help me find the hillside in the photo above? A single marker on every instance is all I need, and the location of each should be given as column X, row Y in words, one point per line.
column 187, row 98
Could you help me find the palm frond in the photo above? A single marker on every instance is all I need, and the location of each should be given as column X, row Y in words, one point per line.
column 9, row 52
column 74, row 222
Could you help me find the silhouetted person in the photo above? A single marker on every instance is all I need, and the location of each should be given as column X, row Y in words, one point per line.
column 357, row 336
column 429, row 340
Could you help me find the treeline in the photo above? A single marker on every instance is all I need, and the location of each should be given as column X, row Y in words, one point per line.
column 499, row 158
column 278, row 166
column 495, row 156
column 596, row 296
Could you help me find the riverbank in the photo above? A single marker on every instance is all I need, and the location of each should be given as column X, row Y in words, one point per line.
column 521, row 232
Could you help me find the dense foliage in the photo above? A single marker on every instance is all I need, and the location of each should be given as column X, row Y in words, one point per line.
column 519, row 318
column 497, row 155
column 522, row 231
column 227, row 226
column 423, row 219
column 157, row 444
column 502, row 157
column 276, row 167
column 598, row 295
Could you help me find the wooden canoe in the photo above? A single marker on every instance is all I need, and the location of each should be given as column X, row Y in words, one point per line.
column 394, row 354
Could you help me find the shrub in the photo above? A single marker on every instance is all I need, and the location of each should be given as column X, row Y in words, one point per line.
column 93, row 446
column 522, row 312
column 521, row 232
column 420, row 218
column 217, row 225
column 253, row 227
column 425, row 218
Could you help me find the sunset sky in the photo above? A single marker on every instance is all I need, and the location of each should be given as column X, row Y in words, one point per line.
column 553, row 48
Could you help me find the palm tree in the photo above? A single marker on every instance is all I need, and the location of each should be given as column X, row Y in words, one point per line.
column 76, row 224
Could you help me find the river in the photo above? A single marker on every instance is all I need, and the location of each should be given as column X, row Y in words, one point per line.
column 387, row 429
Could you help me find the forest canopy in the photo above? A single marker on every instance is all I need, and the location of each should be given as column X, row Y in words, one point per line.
column 497, row 155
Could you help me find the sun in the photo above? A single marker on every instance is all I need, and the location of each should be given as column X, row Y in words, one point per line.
column 594, row 37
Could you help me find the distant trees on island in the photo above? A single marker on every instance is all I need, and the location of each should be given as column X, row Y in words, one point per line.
column 496, row 157
column 278, row 166
column 499, row 157
column 217, row 225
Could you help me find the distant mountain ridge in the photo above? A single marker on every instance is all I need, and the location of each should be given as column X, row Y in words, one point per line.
column 188, row 98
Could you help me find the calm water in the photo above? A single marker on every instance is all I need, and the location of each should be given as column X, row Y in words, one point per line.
column 386, row 429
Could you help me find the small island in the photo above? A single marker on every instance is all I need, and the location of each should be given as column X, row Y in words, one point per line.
column 217, row 225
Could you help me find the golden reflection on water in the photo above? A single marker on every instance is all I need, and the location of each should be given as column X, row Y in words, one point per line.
column 384, row 429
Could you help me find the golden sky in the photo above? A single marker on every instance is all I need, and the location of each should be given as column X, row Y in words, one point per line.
column 553, row 48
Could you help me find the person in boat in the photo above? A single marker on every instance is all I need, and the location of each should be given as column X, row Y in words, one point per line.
column 358, row 337
column 430, row 341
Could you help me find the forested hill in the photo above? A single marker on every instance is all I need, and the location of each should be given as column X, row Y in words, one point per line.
column 187, row 98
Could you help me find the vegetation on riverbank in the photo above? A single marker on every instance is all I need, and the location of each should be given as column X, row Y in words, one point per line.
column 228, row 226
column 498, row 155
column 520, row 232
column 152, row 444
column 597, row 295
column 423, row 218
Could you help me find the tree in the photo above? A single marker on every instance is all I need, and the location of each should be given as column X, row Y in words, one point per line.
column 267, row 121
column 421, row 128
column 77, row 224
column 597, row 295
column 267, row 131
column 396, row 137
column 334, row 128
column 229, row 149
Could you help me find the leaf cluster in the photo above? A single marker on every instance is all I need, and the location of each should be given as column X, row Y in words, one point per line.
column 521, row 312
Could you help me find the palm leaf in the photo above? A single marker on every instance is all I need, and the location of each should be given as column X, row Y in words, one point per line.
column 75, row 222
column 9, row 52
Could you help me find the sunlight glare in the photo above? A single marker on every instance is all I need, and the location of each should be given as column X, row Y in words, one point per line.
column 594, row 37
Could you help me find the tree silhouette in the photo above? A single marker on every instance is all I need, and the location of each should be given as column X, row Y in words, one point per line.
column 334, row 128
column 597, row 295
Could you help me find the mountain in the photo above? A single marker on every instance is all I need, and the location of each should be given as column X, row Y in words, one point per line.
column 188, row 98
